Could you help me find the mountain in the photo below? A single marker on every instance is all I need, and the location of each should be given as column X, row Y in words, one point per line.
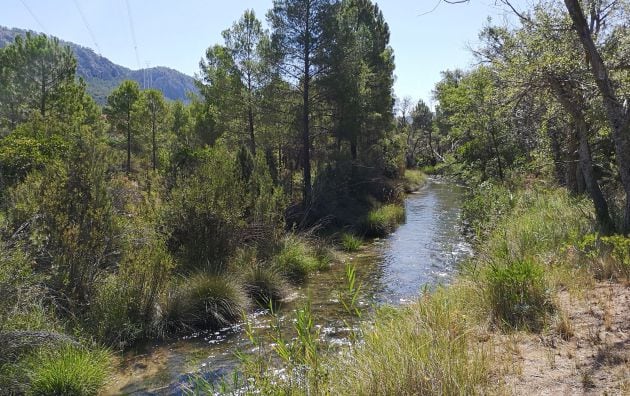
column 102, row 75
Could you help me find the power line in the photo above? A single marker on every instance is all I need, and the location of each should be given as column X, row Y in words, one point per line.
column 87, row 26
column 133, row 34
column 41, row 25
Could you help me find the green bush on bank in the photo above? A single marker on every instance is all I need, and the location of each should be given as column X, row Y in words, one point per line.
column 519, row 294
column 413, row 180
column 384, row 220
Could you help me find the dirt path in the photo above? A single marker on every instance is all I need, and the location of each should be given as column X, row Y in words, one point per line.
column 586, row 353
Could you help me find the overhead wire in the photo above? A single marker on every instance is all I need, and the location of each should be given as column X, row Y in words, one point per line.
column 41, row 25
column 87, row 26
column 133, row 33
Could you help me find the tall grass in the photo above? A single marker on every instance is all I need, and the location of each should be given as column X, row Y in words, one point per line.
column 297, row 258
column 204, row 301
column 384, row 220
column 350, row 243
column 264, row 284
column 413, row 180
column 68, row 371
column 425, row 348
column 522, row 256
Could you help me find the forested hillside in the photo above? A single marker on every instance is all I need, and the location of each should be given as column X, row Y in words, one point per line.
column 102, row 76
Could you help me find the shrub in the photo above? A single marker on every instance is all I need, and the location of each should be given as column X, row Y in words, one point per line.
column 382, row 221
column 485, row 206
column 518, row 294
column 124, row 307
column 206, row 213
column 69, row 371
column 609, row 256
column 204, row 301
column 350, row 243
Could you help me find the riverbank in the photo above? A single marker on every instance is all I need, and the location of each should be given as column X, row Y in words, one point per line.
column 162, row 366
column 542, row 308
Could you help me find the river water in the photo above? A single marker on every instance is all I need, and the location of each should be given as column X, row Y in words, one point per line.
column 423, row 252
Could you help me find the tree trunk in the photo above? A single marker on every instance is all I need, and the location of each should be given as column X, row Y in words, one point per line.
column 306, row 139
column 592, row 186
column 573, row 105
column 573, row 175
column 252, row 137
column 129, row 141
column 618, row 113
column 154, row 142
column 556, row 154
column 353, row 148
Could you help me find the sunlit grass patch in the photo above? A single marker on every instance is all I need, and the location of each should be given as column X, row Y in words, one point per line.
column 384, row 220
column 413, row 180
column 68, row 371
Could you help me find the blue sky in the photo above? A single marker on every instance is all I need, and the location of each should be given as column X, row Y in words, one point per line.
column 176, row 33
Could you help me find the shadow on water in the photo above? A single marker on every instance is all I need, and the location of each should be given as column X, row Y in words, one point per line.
column 424, row 251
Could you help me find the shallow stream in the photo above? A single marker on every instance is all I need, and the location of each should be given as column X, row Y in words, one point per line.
column 423, row 252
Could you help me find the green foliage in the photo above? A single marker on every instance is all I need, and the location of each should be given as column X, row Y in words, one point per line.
column 73, row 239
column 69, row 371
column 519, row 294
column 21, row 154
column 384, row 220
column 264, row 284
column 297, row 258
column 485, row 205
column 36, row 74
column 608, row 256
column 542, row 223
column 350, row 243
column 425, row 348
column 206, row 214
column 204, row 301
column 413, row 180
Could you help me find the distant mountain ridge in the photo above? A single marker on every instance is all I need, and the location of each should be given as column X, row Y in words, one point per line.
column 102, row 75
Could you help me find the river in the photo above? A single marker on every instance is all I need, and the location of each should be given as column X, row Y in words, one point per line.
column 422, row 252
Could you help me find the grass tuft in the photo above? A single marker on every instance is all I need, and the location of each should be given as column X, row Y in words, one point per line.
column 204, row 301
column 297, row 258
column 350, row 243
column 384, row 220
column 425, row 348
column 413, row 180
column 264, row 284
column 69, row 371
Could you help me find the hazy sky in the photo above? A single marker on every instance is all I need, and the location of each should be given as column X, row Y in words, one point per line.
column 176, row 33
